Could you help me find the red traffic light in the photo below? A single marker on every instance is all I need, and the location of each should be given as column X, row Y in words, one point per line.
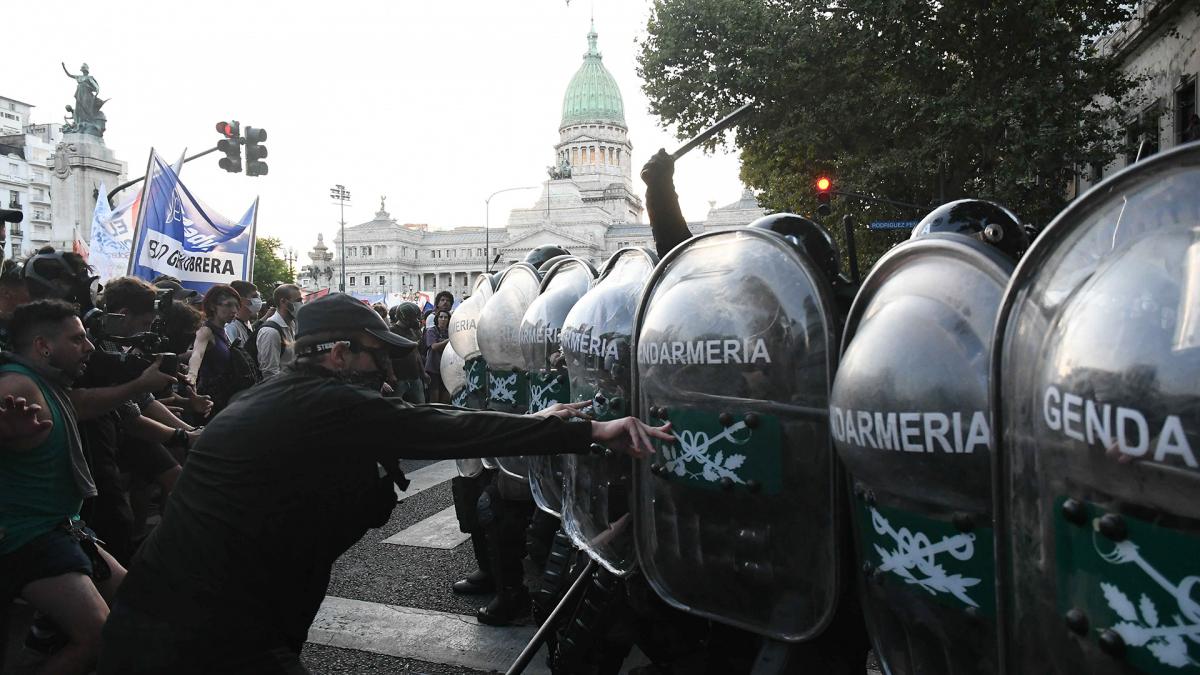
column 226, row 129
column 823, row 184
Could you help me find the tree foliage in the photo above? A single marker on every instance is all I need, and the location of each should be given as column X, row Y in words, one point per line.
column 922, row 101
column 269, row 268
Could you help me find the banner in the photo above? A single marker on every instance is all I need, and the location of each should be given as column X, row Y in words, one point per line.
column 180, row 236
column 112, row 236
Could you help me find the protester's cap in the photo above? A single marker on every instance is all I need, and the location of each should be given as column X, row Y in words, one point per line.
column 181, row 293
column 344, row 315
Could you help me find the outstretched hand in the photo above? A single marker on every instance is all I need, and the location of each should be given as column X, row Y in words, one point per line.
column 19, row 419
column 631, row 436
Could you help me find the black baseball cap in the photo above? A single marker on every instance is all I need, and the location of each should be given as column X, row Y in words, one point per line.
column 181, row 293
column 345, row 315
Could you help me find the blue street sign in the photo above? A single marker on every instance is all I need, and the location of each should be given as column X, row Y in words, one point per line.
column 892, row 225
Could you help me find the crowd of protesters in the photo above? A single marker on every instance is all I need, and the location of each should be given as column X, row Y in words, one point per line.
column 100, row 406
column 97, row 421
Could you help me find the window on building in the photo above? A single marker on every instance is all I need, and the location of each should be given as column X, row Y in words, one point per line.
column 382, row 280
column 351, row 281
column 1141, row 134
column 366, row 280
column 14, row 199
column 1185, row 111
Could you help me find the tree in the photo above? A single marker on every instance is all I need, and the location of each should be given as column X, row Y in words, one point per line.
column 923, row 101
column 269, row 269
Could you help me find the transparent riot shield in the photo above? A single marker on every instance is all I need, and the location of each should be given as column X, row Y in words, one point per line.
column 464, row 339
column 499, row 344
column 454, row 376
column 565, row 281
column 736, row 347
column 596, row 341
column 909, row 418
column 1096, row 405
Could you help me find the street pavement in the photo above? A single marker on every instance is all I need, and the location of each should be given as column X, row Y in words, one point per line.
column 389, row 608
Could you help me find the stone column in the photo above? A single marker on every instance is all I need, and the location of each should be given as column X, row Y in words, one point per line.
column 81, row 163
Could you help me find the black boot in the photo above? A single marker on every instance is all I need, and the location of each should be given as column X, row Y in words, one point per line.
column 475, row 583
column 505, row 531
column 509, row 605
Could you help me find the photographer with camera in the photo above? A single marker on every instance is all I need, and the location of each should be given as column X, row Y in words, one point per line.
column 111, row 396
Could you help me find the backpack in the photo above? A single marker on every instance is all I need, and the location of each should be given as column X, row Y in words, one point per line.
column 252, row 346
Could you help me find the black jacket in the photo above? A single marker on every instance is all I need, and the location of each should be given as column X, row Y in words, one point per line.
column 282, row 482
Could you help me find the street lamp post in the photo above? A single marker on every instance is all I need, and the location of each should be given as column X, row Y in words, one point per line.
column 487, row 246
column 340, row 194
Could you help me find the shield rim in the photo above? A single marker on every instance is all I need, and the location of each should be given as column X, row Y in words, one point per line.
column 556, row 265
column 641, row 467
column 987, row 259
column 1187, row 155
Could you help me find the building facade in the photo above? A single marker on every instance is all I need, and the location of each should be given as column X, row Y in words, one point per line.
column 588, row 205
column 1161, row 45
column 26, row 166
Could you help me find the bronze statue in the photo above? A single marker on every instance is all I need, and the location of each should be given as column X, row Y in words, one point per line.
column 88, row 119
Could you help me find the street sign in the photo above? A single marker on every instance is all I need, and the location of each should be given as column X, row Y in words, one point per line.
column 892, row 225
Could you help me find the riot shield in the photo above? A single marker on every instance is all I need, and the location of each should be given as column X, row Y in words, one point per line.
column 737, row 522
column 910, row 422
column 565, row 281
column 464, row 340
column 1096, row 406
column 499, row 344
column 596, row 341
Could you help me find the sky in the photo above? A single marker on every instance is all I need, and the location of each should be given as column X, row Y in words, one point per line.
column 434, row 104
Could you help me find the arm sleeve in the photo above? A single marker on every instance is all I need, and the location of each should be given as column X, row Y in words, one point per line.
column 446, row 432
column 666, row 219
column 268, row 350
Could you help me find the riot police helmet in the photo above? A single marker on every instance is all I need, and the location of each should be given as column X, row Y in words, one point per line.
column 542, row 254
column 986, row 221
column 807, row 235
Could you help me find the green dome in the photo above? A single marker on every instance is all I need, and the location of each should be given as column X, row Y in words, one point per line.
column 593, row 95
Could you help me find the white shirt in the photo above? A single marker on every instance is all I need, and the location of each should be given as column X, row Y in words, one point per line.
column 271, row 358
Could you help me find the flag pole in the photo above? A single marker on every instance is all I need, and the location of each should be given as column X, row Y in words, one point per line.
column 137, row 225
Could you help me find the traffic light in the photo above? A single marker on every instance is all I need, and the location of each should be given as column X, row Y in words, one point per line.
column 232, row 161
column 255, row 152
column 824, row 185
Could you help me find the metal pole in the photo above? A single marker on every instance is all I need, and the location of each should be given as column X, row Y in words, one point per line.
column 851, row 246
column 342, row 195
column 551, row 621
column 487, row 213
column 882, row 200
column 113, row 193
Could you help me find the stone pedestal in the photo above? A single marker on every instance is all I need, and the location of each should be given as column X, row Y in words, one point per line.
column 81, row 163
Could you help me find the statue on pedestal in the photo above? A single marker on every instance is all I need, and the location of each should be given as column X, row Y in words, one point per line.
column 87, row 118
column 563, row 170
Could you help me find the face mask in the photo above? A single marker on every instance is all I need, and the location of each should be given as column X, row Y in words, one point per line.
column 255, row 305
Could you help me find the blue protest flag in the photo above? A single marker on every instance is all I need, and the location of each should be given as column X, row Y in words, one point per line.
column 179, row 235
